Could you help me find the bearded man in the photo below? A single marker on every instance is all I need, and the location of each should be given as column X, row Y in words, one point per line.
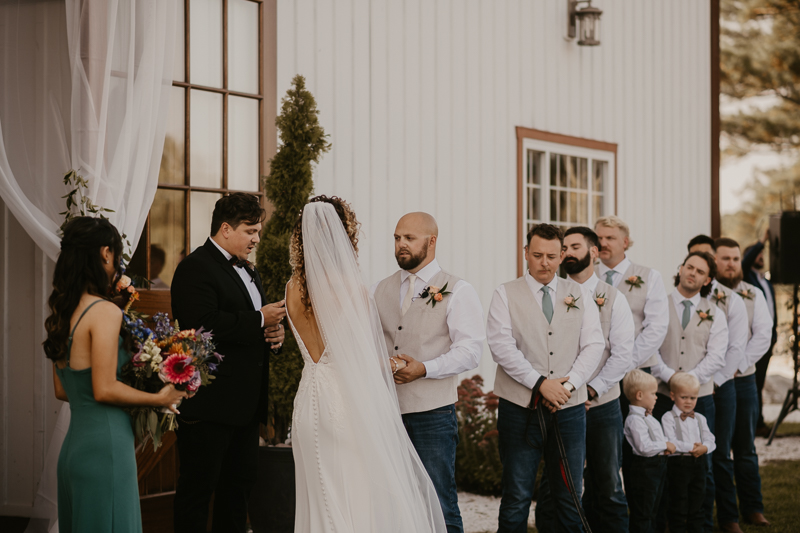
column 433, row 326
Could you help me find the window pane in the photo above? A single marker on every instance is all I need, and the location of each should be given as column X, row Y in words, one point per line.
column 205, row 42
column 533, row 204
column 200, row 212
column 564, row 164
column 600, row 170
column 553, row 170
column 573, row 207
column 572, row 172
column 173, row 159
column 583, row 173
column 242, row 144
column 535, row 167
column 179, row 64
column 583, row 208
column 167, row 236
column 562, row 207
column 553, row 206
column 137, row 267
column 243, row 46
column 206, row 139
column 597, row 206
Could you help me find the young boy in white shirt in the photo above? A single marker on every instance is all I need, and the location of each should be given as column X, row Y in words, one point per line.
column 647, row 474
column 687, row 468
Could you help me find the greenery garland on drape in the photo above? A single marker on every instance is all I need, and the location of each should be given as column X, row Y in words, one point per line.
column 288, row 187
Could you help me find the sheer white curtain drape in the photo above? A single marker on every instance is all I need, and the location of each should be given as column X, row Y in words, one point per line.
column 84, row 85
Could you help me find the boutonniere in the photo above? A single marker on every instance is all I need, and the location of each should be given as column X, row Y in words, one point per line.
column 600, row 300
column 719, row 296
column 704, row 316
column 634, row 281
column 434, row 294
column 570, row 301
column 747, row 294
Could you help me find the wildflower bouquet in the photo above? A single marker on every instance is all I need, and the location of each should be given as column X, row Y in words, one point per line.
column 164, row 356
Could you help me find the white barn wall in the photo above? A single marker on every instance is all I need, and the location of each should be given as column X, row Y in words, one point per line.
column 421, row 98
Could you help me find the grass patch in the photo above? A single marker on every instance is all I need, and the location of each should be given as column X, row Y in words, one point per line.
column 788, row 429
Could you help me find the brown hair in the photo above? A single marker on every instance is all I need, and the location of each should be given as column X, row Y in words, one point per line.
column 547, row 232
column 712, row 270
column 725, row 242
column 296, row 257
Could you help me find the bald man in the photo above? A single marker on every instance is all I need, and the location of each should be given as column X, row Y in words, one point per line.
column 433, row 325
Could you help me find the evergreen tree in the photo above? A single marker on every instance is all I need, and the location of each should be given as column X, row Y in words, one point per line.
column 288, row 187
column 760, row 56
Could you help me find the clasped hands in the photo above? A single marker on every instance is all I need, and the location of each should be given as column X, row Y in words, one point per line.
column 554, row 393
column 273, row 331
column 406, row 369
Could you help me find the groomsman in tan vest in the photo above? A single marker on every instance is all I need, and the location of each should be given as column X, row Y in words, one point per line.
column 433, row 326
column 545, row 335
column 736, row 401
column 603, row 499
column 735, row 313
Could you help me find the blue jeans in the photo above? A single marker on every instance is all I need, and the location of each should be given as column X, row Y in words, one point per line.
column 603, row 500
column 521, row 449
column 705, row 406
column 737, row 408
column 435, row 436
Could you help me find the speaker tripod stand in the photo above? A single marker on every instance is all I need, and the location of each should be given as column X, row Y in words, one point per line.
column 793, row 394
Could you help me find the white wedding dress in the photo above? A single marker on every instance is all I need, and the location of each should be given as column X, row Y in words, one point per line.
column 356, row 470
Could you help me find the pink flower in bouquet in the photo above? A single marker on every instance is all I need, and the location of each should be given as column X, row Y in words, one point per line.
column 123, row 283
column 177, row 369
column 195, row 382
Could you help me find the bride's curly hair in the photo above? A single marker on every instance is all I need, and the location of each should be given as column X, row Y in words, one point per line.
column 296, row 258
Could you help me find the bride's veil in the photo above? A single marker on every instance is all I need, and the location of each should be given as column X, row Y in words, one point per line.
column 401, row 492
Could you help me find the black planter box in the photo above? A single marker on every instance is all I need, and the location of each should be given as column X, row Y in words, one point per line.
column 272, row 500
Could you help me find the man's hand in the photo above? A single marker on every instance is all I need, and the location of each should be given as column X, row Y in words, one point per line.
column 274, row 335
column 549, row 406
column 765, row 238
column 412, row 371
column 699, row 449
column 274, row 313
column 553, row 391
column 670, row 448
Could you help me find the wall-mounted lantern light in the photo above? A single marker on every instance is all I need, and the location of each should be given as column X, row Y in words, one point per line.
column 583, row 23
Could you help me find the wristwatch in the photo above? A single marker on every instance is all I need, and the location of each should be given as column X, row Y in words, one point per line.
column 570, row 387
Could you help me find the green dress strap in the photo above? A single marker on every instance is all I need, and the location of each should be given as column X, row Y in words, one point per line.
column 71, row 333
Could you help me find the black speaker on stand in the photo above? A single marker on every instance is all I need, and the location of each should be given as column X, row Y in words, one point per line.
column 784, row 267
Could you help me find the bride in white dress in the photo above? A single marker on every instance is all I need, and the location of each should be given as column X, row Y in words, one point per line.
column 356, row 469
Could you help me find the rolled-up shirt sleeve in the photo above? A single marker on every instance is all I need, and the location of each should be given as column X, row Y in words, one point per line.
column 502, row 344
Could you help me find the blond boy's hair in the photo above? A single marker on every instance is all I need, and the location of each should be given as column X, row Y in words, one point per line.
column 635, row 381
column 683, row 381
column 612, row 221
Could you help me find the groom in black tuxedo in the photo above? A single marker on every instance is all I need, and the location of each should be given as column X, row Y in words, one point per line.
column 216, row 288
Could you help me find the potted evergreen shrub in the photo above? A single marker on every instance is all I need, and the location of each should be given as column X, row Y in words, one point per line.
column 302, row 141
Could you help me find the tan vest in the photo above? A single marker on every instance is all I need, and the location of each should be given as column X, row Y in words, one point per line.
column 750, row 304
column 637, row 297
column 684, row 349
column 605, row 321
column 421, row 333
column 551, row 348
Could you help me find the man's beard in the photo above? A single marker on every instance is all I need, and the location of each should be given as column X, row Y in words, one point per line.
column 731, row 282
column 413, row 261
column 575, row 266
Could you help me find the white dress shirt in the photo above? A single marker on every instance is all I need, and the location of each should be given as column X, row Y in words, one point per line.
column 656, row 310
column 762, row 280
column 504, row 347
column 717, row 344
column 620, row 339
column 691, row 430
column 464, row 320
column 761, row 330
column 249, row 282
column 738, row 325
column 644, row 433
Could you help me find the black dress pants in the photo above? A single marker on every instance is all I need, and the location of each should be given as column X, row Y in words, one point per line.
column 686, row 478
column 215, row 459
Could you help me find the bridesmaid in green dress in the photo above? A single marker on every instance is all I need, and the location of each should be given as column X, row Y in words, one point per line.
column 97, row 480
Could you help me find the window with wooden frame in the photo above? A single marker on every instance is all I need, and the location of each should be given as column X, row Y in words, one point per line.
column 222, row 97
column 562, row 180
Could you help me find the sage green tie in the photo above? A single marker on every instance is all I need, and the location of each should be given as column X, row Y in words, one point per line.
column 687, row 313
column 547, row 304
column 610, row 277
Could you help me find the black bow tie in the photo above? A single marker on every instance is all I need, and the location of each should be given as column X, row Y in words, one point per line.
column 245, row 264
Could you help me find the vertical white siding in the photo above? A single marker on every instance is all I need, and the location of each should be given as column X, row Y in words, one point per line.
column 28, row 408
column 421, row 98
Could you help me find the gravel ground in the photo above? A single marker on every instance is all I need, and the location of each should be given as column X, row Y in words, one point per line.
column 480, row 512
